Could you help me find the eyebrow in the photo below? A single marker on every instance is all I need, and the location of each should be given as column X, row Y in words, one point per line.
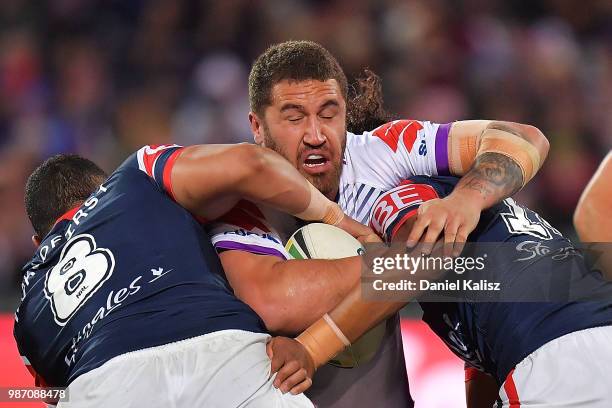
column 331, row 102
column 289, row 106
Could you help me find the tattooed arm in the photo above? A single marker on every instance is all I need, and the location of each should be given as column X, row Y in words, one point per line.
column 495, row 159
column 495, row 176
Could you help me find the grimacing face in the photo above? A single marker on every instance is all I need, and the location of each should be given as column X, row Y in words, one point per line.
column 306, row 124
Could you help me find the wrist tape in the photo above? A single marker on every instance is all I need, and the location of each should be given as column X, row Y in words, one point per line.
column 323, row 340
column 321, row 209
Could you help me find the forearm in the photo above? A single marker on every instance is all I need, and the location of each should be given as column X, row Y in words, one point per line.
column 492, row 178
column 343, row 325
column 208, row 180
column 298, row 292
column 355, row 316
column 496, row 163
column 275, row 182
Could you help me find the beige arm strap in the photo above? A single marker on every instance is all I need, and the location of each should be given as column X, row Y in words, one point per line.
column 323, row 340
column 465, row 147
column 321, row 209
column 514, row 147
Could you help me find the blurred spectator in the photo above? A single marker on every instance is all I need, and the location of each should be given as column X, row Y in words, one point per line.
column 103, row 77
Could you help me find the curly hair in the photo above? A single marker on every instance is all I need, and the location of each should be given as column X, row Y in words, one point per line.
column 365, row 108
column 303, row 60
column 293, row 60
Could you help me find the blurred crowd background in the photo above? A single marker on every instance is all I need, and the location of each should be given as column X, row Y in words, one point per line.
column 103, row 77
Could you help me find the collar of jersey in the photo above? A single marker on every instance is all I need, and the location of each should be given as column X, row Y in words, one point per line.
column 67, row 215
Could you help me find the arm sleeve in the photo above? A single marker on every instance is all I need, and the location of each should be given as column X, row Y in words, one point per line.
column 156, row 161
column 391, row 210
column 245, row 228
column 403, row 148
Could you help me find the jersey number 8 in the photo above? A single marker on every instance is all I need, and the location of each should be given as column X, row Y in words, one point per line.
column 80, row 272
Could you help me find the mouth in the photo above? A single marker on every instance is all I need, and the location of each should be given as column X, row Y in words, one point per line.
column 316, row 162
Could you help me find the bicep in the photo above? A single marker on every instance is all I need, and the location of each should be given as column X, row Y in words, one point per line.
column 464, row 141
column 248, row 272
column 204, row 178
column 462, row 144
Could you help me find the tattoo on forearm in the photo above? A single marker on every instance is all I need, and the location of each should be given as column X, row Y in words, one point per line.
column 493, row 174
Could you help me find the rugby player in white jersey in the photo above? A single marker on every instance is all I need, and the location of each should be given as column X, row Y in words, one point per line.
column 300, row 108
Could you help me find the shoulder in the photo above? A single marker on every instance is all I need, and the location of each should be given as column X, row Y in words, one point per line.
column 398, row 133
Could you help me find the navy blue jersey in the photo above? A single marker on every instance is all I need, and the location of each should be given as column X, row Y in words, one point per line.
column 128, row 269
column 530, row 254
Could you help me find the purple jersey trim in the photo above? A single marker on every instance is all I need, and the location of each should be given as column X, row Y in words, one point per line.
column 442, row 149
column 256, row 249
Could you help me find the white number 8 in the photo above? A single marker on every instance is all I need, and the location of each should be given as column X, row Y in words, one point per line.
column 80, row 272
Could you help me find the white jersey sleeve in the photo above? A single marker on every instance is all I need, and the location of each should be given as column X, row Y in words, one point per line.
column 398, row 150
column 248, row 228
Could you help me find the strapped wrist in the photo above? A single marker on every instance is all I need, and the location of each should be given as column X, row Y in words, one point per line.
column 321, row 209
column 323, row 340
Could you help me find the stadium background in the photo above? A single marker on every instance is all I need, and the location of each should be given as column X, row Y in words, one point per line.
column 103, row 77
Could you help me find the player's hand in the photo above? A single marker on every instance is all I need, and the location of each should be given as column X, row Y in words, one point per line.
column 363, row 233
column 291, row 363
column 453, row 215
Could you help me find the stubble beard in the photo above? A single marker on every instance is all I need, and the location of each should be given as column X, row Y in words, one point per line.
column 326, row 183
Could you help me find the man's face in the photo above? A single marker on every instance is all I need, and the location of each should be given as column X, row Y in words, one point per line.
column 306, row 123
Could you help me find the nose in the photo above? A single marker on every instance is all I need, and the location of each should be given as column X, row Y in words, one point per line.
column 313, row 136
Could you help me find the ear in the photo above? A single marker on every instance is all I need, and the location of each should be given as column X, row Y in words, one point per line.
column 256, row 128
column 36, row 240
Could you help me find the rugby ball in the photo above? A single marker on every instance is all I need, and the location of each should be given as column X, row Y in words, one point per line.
column 323, row 241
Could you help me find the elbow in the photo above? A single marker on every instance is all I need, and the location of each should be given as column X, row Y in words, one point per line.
column 281, row 319
column 537, row 138
column 276, row 319
column 274, row 312
column 529, row 133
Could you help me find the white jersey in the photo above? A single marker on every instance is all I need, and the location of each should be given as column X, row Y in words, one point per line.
column 377, row 161
column 373, row 163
